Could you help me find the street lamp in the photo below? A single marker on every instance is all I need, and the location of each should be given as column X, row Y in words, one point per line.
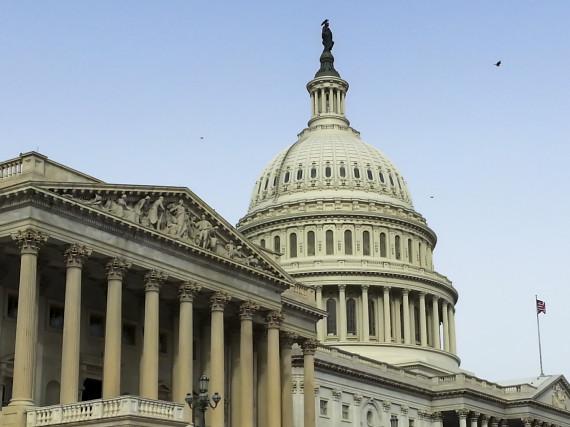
column 203, row 401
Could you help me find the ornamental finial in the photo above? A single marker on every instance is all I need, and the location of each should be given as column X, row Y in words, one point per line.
column 327, row 58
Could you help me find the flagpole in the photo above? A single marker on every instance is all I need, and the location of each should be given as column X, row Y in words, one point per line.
column 538, row 330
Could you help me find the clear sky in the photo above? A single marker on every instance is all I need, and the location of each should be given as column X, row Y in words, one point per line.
column 125, row 90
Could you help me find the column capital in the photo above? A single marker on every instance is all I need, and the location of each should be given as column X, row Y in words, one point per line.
column 247, row 309
column 76, row 254
column 219, row 300
column 462, row 413
column 287, row 339
column 437, row 416
column 386, row 405
column 274, row 320
column 153, row 279
column 187, row 291
column 422, row 294
column 405, row 291
column 342, row 287
column 484, row 418
column 29, row 240
column 444, row 303
column 387, row 289
column 116, row 268
column 527, row 421
column 365, row 287
column 435, row 298
column 474, row 416
column 318, row 287
column 309, row 346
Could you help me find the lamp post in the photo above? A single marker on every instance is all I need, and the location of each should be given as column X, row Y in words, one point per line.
column 203, row 401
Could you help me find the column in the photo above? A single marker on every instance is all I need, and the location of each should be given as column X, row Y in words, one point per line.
column 148, row 378
column 338, row 108
column 217, row 353
column 413, row 321
column 262, row 373
column 74, row 256
column 462, row 413
column 435, row 325
column 342, row 306
column 437, row 419
column 380, row 317
column 387, row 324
column 323, row 102
column 406, row 306
column 494, row 422
column 246, row 312
column 286, row 341
column 309, row 349
column 29, row 241
column 397, row 319
column 446, row 346
column 116, row 269
column 365, row 320
column 321, row 322
column 274, row 368
column 452, row 342
column 473, row 418
column 423, row 323
column 235, row 375
column 185, row 367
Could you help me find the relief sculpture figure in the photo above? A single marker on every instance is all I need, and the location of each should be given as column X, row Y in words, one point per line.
column 204, row 227
column 156, row 214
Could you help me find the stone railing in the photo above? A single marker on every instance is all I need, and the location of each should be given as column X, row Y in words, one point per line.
column 11, row 168
column 124, row 406
column 301, row 293
column 466, row 380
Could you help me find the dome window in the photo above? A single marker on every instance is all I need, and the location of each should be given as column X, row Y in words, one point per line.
column 287, row 177
column 381, row 175
column 292, row 245
column 391, row 180
column 329, row 237
column 398, row 247
column 366, row 243
column 369, row 174
column 262, row 243
column 342, row 172
column 351, row 316
column 328, row 172
column 383, row 250
column 371, row 318
column 277, row 244
column 299, row 174
column 266, row 183
column 311, row 243
column 348, row 242
column 275, row 181
column 313, row 172
column 357, row 173
column 410, row 251
column 331, row 317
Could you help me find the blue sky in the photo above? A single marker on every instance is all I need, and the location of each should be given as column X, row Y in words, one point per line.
column 125, row 90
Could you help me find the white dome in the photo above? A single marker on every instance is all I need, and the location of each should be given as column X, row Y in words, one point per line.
column 329, row 162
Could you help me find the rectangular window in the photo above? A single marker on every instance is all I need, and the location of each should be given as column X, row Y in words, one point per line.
column 129, row 335
column 55, row 319
column 345, row 412
column 12, row 306
column 329, row 238
column 96, row 325
column 324, row 407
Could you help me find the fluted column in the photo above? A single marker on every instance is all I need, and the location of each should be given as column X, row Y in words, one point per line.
column 309, row 349
column 387, row 324
column 274, row 369
column 116, row 269
column 74, row 255
column 286, row 341
column 148, row 377
column 423, row 320
column 247, row 310
column 185, row 367
column 217, row 303
column 321, row 322
column 445, row 321
column 435, row 319
column 452, row 342
column 342, row 307
column 406, row 307
column 365, row 320
column 29, row 241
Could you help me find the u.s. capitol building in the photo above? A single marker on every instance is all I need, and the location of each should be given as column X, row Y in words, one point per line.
column 321, row 308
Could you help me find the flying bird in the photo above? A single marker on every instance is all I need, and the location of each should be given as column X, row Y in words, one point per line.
column 431, row 197
column 498, row 64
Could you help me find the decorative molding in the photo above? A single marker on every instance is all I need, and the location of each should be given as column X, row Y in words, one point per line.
column 309, row 346
column 76, row 254
column 274, row 320
column 247, row 309
column 116, row 268
column 153, row 280
column 29, row 240
column 336, row 394
column 187, row 291
column 219, row 300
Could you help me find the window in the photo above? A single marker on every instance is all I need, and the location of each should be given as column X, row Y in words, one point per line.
column 369, row 174
column 311, row 243
column 410, row 254
column 313, row 172
column 129, row 335
column 266, row 183
column 370, row 419
column 329, row 237
column 391, row 179
column 371, row 318
column 331, row 316
column 324, row 407
column 366, row 243
column 342, row 172
column 348, row 242
column 262, row 243
column 383, row 245
column 287, row 177
column 381, row 175
column 420, row 253
column 96, row 325
column 351, row 316
column 398, row 248
column 299, row 174
column 357, row 173
column 293, row 245
column 277, row 244
column 12, row 306
column 328, row 172
column 163, row 343
column 345, row 412
column 275, row 180
column 55, row 317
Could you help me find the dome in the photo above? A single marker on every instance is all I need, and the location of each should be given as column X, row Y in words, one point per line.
column 330, row 162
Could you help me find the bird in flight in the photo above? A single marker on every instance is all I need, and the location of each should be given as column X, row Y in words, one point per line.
column 201, row 137
column 497, row 64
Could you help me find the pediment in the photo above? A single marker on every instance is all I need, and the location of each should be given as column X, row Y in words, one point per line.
column 175, row 213
column 556, row 393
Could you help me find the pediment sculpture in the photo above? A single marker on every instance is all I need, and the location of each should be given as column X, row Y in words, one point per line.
column 559, row 397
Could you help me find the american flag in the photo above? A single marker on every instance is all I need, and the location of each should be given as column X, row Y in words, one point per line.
column 540, row 307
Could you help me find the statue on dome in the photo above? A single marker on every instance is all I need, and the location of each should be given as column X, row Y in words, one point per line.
column 327, row 36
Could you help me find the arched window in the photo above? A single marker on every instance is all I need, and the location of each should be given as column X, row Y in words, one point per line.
column 342, row 172
column 383, row 249
column 366, row 243
column 369, row 174
column 398, row 248
column 266, row 183
column 313, row 172
column 348, row 242
column 299, row 174
column 293, row 245
column 311, row 243
column 391, row 179
column 262, row 243
column 328, row 172
column 277, row 244
column 381, row 175
column 420, row 253
column 357, row 173
column 371, row 318
column 351, row 316
column 331, row 316
column 410, row 253
column 329, row 237
column 275, row 180
column 287, row 177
